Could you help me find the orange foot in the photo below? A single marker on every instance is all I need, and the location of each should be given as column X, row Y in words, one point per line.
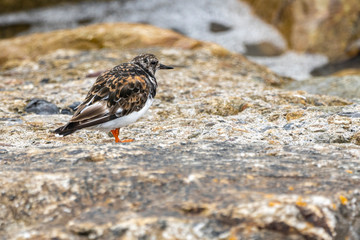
column 115, row 133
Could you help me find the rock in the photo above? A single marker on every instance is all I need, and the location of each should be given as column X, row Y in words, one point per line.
column 221, row 154
column 11, row 121
column 218, row 27
column 263, row 49
column 340, row 69
column 356, row 138
column 354, row 48
column 345, row 87
column 347, row 72
column 45, row 80
column 11, row 30
column 74, row 105
column 307, row 24
column 66, row 111
column 118, row 35
column 294, row 115
column 96, row 157
column 220, row 107
column 42, row 107
column 350, row 114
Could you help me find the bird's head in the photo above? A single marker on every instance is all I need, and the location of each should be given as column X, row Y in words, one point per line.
column 149, row 62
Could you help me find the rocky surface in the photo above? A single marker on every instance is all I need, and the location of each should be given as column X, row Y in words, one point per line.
column 221, row 154
column 347, row 86
column 308, row 24
column 110, row 35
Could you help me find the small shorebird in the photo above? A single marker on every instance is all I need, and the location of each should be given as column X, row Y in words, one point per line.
column 119, row 97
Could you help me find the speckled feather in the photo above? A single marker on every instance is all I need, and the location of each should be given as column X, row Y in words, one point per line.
column 125, row 86
column 116, row 93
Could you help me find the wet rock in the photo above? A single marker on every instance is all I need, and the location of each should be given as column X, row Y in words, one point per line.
column 41, row 106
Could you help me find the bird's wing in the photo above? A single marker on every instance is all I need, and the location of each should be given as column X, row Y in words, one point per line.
column 116, row 93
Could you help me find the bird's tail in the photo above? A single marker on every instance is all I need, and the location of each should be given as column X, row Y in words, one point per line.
column 65, row 130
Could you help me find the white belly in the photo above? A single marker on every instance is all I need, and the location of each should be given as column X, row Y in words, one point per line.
column 125, row 120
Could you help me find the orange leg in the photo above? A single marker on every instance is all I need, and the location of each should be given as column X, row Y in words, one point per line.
column 115, row 133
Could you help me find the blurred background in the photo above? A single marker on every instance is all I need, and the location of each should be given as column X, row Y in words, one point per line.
column 298, row 39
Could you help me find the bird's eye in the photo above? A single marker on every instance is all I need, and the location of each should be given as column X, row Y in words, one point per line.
column 153, row 63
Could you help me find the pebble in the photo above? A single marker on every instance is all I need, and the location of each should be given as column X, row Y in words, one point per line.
column 218, row 27
column 45, row 80
column 289, row 126
column 65, row 111
column 74, row 105
column 350, row 114
column 41, row 107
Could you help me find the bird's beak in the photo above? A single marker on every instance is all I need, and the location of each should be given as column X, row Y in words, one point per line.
column 162, row 66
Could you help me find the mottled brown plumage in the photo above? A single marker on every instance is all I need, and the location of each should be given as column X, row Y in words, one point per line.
column 122, row 91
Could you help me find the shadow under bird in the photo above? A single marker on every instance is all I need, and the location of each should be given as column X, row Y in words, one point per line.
column 119, row 97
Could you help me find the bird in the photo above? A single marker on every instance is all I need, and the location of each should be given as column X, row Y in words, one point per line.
column 119, row 97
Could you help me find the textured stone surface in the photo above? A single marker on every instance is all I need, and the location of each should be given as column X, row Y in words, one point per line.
column 342, row 86
column 221, row 155
column 308, row 25
column 110, row 35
